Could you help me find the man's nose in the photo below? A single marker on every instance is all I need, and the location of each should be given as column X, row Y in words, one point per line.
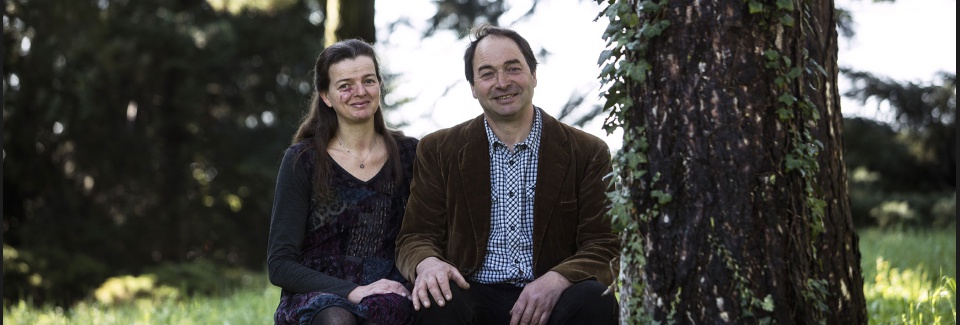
column 502, row 80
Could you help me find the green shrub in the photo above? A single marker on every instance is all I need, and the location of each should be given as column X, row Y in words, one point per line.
column 202, row 277
column 872, row 207
column 127, row 288
column 53, row 276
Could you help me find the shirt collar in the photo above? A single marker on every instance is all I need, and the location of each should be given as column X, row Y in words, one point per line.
column 533, row 139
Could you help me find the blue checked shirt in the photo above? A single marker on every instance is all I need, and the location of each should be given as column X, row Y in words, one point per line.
column 513, row 180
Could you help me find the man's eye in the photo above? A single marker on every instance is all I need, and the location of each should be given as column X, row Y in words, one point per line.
column 370, row 81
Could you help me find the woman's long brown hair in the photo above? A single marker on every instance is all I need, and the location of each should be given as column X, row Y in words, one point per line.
column 320, row 123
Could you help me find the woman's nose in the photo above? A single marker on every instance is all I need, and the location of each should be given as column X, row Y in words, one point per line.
column 361, row 91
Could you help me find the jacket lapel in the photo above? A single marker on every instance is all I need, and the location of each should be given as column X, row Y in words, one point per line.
column 554, row 159
column 474, row 162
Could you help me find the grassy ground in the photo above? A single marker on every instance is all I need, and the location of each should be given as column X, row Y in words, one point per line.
column 247, row 306
column 909, row 278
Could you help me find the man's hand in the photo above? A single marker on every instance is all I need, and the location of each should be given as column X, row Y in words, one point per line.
column 433, row 277
column 538, row 298
column 382, row 286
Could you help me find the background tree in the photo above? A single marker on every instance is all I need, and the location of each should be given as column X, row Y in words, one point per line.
column 734, row 206
column 352, row 19
column 144, row 133
column 147, row 134
column 912, row 180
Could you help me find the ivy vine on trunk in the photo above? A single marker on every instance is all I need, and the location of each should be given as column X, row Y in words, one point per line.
column 731, row 199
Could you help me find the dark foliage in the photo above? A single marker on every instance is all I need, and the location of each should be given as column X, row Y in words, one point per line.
column 144, row 132
column 911, row 160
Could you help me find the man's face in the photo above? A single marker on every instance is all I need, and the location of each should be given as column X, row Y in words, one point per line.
column 503, row 82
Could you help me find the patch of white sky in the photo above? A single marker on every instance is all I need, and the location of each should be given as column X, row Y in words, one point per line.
column 908, row 40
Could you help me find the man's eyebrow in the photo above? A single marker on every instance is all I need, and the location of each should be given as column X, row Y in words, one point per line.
column 509, row 62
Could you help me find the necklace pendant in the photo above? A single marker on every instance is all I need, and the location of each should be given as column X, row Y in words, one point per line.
column 361, row 166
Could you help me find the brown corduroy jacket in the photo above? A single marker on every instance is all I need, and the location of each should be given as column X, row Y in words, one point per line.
column 448, row 213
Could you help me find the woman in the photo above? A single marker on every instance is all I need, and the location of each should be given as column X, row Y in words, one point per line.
column 341, row 191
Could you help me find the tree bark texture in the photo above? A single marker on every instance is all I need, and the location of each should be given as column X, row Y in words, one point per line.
column 737, row 242
column 356, row 20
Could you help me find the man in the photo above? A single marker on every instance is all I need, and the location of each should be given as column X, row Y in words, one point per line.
column 506, row 221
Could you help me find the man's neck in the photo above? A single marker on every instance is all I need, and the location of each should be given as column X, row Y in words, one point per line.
column 512, row 131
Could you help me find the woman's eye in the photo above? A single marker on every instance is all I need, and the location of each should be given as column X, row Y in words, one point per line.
column 369, row 81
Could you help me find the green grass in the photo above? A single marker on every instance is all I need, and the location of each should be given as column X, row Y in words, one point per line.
column 247, row 306
column 909, row 278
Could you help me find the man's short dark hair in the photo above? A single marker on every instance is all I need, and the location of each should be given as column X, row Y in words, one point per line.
column 484, row 30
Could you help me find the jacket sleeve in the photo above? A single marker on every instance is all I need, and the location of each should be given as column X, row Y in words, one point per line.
column 291, row 206
column 424, row 228
column 598, row 247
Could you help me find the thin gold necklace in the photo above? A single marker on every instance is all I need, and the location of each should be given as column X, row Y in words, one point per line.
column 362, row 165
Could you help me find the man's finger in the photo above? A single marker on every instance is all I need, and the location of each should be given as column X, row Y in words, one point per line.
column 445, row 290
column 434, row 288
column 458, row 278
column 421, row 297
column 544, row 318
column 516, row 313
column 528, row 314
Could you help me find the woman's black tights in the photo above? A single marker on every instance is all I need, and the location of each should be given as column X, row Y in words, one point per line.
column 337, row 316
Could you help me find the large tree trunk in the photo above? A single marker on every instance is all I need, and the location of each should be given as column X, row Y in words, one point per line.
column 744, row 236
column 350, row 19
column 356, row 20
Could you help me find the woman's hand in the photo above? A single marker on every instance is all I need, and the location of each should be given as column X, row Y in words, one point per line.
column 382, row 286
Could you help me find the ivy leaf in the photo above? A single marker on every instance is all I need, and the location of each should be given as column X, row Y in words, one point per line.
column 786, row 20
column 793, row 163
column 767, row 303
column 638, row 72
column 755, row 7
column 661, row 196
column 632, row 20
column 785, row 4
column 795, row 72
column 604, row 56
column 608, row 69
column 787, row 99
column 771, row 55
column 779, row 81
column 784, row 114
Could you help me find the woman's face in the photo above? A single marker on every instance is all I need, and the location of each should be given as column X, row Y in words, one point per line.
column 354, row 91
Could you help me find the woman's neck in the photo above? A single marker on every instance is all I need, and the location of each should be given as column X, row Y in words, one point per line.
column 357, row 137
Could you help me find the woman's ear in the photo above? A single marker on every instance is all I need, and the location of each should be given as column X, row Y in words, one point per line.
column 323, row 96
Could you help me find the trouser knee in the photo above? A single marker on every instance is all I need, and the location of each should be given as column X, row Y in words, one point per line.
column 585, row 303
column 459, row 310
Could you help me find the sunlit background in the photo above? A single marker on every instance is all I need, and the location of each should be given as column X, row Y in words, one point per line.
column 142, row 140
column 904, row 40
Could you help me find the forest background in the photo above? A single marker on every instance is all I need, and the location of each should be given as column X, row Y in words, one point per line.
column 144, row 137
